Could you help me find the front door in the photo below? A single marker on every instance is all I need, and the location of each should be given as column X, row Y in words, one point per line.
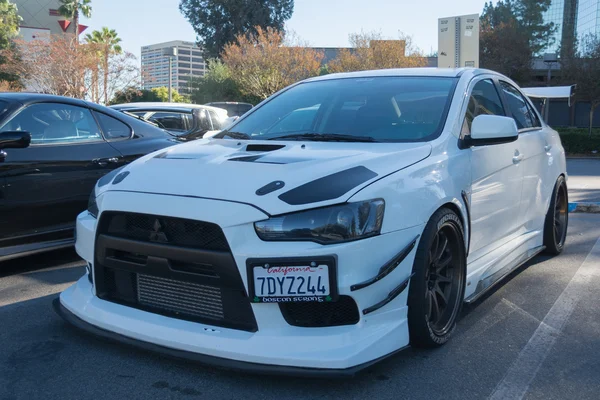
column 497, row 178
column 49, row 183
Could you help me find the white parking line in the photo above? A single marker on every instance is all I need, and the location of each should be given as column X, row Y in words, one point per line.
column 516, row 382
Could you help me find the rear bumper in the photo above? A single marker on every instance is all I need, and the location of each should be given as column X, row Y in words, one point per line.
column 218, row 362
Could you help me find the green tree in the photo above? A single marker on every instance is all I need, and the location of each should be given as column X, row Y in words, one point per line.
column 162, row 93
column 583, row 69
column 530, row 14
column 218, row 22
column 73, row 8
column 216, row 85
column 9, row 28
column 108, row 41
column 134, row 95
column 503, row 46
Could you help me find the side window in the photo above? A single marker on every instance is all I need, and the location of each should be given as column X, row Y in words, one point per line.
column 519, row 107
column 204, row 120
column 172, row 121
column 55, row 123
column 217, row 120
column 112, row 127
column 484, row 100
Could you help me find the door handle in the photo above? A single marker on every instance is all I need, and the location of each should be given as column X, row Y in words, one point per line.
column 103, row 162
column 518, row 159
column 548, row 148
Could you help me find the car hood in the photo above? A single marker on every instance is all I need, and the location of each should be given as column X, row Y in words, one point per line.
column 277, row 177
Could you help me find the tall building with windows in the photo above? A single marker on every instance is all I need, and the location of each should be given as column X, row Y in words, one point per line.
column 186, row 64
column 588, row 18
column 574, row 20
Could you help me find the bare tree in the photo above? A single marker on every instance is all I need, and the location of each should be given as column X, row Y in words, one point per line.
column 371, row 51
column 583, row 69
column 265, row 62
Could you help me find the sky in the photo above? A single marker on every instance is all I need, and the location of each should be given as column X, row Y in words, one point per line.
column 321, row 23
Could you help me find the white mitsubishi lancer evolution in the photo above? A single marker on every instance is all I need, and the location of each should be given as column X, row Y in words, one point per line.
column 341, row 220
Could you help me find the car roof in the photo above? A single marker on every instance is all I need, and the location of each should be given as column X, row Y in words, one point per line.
column 29, row 98
column 165, row 106
column 421, row 72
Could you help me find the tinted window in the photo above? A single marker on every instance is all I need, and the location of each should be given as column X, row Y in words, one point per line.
column 217, row 120
column 3, row 108
column 112, row 127
column 395, row 109
column 519, row 108
column 173, row 121
column 484, row 100
column 54, row 123
column 204, row 120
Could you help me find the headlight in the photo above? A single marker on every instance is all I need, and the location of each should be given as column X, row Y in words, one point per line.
column 328, row 225
column 92, row 205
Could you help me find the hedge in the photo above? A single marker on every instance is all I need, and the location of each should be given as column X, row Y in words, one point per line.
column 578, row 141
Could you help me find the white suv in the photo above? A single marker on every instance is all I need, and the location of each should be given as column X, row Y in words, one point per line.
column 339, row 221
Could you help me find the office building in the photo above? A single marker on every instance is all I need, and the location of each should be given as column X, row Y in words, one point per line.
column 188, row 62
column 574, row 20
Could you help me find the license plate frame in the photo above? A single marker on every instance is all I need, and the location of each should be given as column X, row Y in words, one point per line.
column 329, row 261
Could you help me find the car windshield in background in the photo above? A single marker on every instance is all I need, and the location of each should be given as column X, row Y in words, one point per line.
column 233, row 109
column 381, row 109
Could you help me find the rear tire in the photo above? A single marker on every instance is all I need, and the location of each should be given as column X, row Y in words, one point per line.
column 437, row 287
column 557, row 219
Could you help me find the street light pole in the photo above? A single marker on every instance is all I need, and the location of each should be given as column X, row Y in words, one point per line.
column 170, row 52
column 170, row 79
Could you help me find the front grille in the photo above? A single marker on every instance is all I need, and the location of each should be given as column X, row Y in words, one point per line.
column 318, row 315
column 180, row 297
column 174, row 231
column 178, row 268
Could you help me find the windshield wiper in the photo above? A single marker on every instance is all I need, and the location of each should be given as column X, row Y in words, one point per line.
column 326, row 137
column 233, row 135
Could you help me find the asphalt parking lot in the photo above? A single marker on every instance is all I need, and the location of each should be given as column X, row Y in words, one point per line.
column 537, row 336
column 584, row 179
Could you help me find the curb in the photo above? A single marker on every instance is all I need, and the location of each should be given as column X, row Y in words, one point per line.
column 584, row 208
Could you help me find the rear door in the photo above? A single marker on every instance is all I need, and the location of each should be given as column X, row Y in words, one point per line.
column 49, row 183
column 497, row 177
column 534, row 164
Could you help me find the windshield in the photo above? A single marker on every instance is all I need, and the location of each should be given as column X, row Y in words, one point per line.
column 382, row 109
column 4, row 106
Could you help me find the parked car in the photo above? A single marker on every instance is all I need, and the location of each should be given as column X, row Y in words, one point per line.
column 356, row 228
column 234, row 109
column 56, row 149
column 187, row 121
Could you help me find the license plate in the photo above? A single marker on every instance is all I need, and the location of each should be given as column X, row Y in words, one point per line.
column 292, row 282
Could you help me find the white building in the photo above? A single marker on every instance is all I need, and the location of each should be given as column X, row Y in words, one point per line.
column 186, row 64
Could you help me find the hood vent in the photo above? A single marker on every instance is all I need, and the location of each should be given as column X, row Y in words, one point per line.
column 264, row 147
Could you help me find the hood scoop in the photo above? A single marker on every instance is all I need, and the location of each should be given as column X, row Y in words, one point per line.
column 263, row 147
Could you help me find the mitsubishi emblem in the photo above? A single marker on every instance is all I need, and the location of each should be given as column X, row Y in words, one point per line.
column 157, row 234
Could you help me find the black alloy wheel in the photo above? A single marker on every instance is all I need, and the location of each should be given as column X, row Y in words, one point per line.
column 557, row 219
column 437, row 288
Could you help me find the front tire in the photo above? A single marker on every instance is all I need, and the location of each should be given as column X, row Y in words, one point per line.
column 437, row 287
column 557, row 219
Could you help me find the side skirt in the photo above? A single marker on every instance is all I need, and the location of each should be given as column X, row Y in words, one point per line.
column 488, row 283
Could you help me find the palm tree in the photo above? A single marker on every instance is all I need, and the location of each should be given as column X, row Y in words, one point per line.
column 71, row 9
column 108, row 41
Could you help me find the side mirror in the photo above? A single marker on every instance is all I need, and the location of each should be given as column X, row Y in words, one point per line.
column 492, row 129
column 14, row 140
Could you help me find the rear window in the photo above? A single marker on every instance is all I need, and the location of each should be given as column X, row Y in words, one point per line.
column 386, row 109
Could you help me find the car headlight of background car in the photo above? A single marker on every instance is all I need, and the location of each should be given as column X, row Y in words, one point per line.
column 328, row 225
column 93, row 205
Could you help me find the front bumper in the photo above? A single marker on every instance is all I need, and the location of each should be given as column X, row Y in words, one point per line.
column 276, row 346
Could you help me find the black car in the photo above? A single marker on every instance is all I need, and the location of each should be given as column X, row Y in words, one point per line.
column 186, row 121
column 234, row 109
column 52, row 151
